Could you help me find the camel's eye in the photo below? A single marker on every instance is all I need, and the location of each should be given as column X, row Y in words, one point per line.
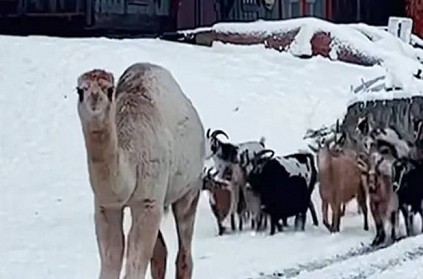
column 80, row 92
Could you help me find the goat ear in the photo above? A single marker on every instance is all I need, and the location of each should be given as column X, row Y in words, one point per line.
column 362, row 163
column 363, row 125
column 363, row 167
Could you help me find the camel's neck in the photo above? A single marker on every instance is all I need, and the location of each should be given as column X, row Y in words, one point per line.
column 101, row 143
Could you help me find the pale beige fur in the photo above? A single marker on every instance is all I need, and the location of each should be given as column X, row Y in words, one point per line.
column 340, row 181
column 145, row 150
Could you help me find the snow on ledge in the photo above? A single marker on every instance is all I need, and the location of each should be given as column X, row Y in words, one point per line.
column 376, row 89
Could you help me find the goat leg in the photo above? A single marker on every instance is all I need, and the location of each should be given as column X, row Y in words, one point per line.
column 394, row 224
column 343, row 206
column 325, row 206
column 240, row 221
column 380, row 230
column 273, row 222
column 259, row 221
column 380, row 235
column 336, row 217
column 407, row 215
column 304, row 219
column 285, row 222
column 296, row 221
column 233, row 227
column 221, row 228
column 421, row 214
column 361, row 200
column 313, row 213
column 266, row 217
column 411, row 220
column 279, row 226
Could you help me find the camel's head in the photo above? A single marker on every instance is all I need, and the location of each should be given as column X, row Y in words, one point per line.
column 95, row 90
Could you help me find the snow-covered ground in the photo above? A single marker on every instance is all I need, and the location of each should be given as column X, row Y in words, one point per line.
column 46, row 222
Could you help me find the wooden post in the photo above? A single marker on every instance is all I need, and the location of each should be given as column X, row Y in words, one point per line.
column 329, row 8
column 303, row 7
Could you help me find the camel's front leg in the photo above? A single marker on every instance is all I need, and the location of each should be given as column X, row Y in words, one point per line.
column 110, row 240
column 146, row 216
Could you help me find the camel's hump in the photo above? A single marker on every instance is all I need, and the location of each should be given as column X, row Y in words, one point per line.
column 133, row 78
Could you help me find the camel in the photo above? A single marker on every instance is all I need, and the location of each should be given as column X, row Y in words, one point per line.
column 145, row 148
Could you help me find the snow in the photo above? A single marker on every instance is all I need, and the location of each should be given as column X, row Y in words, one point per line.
column 46, row 209
column 403, row 85
column 358, row 37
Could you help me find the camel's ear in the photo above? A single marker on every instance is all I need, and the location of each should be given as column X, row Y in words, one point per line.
column 111, row 85
column 80, row 92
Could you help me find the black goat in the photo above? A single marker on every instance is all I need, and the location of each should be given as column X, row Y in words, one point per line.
column 306, row 160
column 407, row 180
column 283, row 192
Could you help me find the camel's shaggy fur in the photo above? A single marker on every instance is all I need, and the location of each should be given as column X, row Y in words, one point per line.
column 145, row 149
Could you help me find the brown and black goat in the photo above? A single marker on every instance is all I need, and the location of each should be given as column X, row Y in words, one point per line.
column 376, row 173
column 220, row 198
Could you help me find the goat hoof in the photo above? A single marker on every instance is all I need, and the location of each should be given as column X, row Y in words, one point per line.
column 327, row 226
column 376, row 242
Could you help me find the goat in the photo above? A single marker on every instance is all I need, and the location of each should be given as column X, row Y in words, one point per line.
column 340, row 182
column 220, row 198
column 254, row 207
column 284, row 193
column 407, row 179
column 226, row 157
column 229, row 152
column 376, row 138
column 383, row 200
column 305, row 161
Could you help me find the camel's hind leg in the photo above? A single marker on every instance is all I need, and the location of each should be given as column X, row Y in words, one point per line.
column 159, row 260
column 110, row 239
column 146, row 217
column 184, row 211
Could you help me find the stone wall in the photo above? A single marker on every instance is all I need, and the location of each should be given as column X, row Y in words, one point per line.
column 399, row 113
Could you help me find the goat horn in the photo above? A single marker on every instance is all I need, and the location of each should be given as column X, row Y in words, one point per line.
column 264, row 151
column 419, row 131
column 312, row 148
column 209, row 172
column 208, row 133
column 337, row 126
column 219, row 132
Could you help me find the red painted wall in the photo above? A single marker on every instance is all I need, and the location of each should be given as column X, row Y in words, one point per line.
column 414, row 9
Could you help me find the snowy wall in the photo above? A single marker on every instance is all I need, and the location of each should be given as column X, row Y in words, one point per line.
column 399, row 113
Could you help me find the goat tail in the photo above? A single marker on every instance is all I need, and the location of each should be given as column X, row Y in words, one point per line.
column 262, row 140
